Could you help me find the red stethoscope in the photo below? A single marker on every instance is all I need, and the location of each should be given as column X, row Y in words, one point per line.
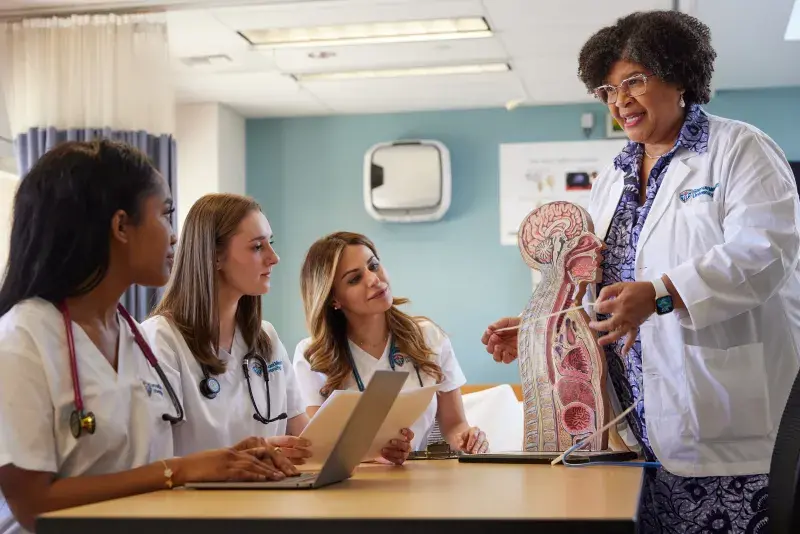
column 80, row 419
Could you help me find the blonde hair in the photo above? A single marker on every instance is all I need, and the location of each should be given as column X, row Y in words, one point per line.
column 327, row 351
column 190, row 299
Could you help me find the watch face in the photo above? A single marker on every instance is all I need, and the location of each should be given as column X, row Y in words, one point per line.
column 664, row 305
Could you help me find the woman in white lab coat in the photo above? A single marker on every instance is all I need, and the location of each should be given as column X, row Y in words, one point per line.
column 86, row 410
column 699, row 306
column 357, row 328
column 236, row 381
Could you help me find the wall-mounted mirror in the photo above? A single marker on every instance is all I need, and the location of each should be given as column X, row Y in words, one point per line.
column 407, row 181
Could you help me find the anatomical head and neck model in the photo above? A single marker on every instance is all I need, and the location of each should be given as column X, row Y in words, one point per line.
column 562, row 367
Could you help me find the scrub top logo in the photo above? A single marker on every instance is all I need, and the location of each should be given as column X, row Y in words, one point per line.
column 256, row 368
column 151, row 388
column 688, row 194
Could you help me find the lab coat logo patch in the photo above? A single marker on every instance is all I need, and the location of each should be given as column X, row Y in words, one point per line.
column 151, row 388
column 256, row 368
column 275, row 366
column 399, row 360
column 688, row 194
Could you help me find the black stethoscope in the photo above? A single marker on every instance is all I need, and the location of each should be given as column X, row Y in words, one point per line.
column 81, row 420
column 210, row 388
column 394, row 357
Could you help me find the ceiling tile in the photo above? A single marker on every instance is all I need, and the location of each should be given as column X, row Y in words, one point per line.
column 516, row 14
column 198, row 33
column 552, row 80
column 428, row 92
column 749, row 40
column 342, row 12
column 257, row 86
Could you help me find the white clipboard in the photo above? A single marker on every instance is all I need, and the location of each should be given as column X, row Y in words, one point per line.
column 327, row 424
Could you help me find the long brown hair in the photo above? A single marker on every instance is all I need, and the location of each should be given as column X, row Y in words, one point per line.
column 190, row 300
column 327, row 352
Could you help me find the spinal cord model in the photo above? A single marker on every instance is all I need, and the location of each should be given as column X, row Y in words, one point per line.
column 562, row 367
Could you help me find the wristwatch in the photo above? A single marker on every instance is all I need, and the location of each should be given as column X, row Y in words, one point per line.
column 664, row 303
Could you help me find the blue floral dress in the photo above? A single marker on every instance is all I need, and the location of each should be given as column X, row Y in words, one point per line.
column 670, row 503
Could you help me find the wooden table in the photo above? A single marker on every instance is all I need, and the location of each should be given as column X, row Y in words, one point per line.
column 426, row 496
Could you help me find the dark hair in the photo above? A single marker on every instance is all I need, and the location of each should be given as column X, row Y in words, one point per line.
column 675, row 46
column 60, row 235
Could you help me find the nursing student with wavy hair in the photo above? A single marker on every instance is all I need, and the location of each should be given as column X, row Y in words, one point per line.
column 357, row 328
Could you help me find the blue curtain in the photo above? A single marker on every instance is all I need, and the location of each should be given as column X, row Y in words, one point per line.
column 161, row 150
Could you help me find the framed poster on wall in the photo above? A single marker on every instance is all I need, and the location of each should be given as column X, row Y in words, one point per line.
column 613, row 128
column 532, row 174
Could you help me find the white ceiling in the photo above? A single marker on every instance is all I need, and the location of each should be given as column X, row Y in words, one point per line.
column 539, row 39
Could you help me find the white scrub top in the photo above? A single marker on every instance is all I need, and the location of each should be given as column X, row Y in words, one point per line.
column 36, row 400
column 311, row 382
column 228, row 418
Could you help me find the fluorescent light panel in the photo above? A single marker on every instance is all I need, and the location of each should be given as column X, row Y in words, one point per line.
column 370, row 33
column 793, row 28
column 413, row 71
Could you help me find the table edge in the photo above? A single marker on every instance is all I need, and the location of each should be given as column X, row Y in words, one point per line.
column 433, row 525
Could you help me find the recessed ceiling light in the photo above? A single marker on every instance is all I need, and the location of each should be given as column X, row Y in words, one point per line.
column 413, row 71
column 370, row 33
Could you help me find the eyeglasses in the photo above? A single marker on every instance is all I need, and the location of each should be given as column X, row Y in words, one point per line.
column 634, row 86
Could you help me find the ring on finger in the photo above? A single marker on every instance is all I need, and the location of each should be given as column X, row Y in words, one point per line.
column 278, row 450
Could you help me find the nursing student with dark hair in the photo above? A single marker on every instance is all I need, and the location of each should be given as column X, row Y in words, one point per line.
column 86, row 410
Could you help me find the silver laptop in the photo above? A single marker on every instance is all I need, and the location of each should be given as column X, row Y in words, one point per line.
column 351, row 446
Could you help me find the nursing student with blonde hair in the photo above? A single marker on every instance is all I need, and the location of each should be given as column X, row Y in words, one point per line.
column 236, row 381
column 357, row 328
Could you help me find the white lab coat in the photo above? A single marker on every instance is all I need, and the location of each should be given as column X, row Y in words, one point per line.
column 311, row 381
column 717, row 375
column 228, row 418
column 36, row 400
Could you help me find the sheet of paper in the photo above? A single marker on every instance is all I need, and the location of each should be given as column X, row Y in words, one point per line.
column 409, row 406
column 327, row 424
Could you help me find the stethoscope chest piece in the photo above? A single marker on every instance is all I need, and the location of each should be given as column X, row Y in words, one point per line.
column 80, row 421
column 209, row 387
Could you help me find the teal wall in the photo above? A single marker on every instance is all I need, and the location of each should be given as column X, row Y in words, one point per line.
column 307, row 174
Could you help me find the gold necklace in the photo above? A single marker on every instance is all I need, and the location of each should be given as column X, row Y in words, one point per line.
column 363, row 344
column 651, row 157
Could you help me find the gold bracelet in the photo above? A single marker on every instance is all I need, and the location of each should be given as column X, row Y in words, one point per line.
column 167, row 474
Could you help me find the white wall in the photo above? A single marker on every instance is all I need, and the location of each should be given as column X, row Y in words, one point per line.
column 7, row 161
column 231, row 151
column 8, row 184
column 8, row 187
column 211, row 153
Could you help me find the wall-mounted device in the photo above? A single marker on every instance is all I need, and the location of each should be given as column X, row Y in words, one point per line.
column 587, row 124
column 407, row 181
